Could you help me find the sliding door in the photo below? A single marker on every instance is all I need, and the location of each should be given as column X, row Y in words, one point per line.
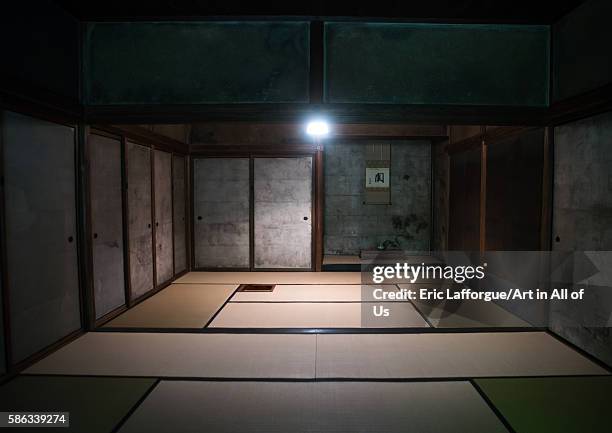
column 221, row 212
column 41, row 250
column 179, row 187
column 106, row 223
column 139, row 219
column 163, row 216
column 283, row 213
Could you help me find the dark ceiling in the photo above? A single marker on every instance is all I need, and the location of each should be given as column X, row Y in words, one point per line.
column 495, row 11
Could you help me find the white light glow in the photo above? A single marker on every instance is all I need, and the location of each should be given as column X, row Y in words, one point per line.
column 317, row 128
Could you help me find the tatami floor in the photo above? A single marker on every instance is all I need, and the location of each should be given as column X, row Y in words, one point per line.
column 201, row 357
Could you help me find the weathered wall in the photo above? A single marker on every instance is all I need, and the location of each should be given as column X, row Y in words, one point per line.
column 441, row 184
column 106, row 223
column 40, row 49
column 397, row 63
column 179, row 197
column 282, row 207
column 581, row 46
column 196, row 62
column 582, row 215
column 139, row 219
column 221, row 212
column 162, row 182
column 350, row 225
column 40, row 240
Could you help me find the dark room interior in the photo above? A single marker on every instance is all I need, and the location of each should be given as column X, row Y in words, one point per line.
column 310, row 217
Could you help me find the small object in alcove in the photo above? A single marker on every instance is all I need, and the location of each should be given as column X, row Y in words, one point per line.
column 557, row 239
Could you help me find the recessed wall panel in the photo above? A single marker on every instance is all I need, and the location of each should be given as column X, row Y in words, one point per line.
column 414, row 63
column 106, row 223
column 139, row 219
column 40, row 208
column 179, row 216
column 282, row 212
column 163, row 216
column 196, row 62
column 221, row 212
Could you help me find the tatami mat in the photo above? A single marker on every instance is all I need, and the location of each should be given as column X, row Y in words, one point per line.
column 177, row 306
column 315, row 315
column 447, row 355
column 309, row 293
column 464, row 314
column 468, row 314
column 184, row 355
column 552, row 405
column 323, row 407
column 270, row 278
column 95, row 404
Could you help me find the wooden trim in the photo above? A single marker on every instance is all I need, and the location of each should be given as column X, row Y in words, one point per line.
column 188, row 215
column 146, row 138
column 491, row 136
column 191, row 193
column 84, row 196
column 251, row 213
column 483, row 192
column 154, row 222
column 172, row 211
column 126, row 215
column 26, row 98
column 296, row 112
column 247, row 150
column 317, row 62
column 578, row 107
column 6, row 311
column 548, row 164
column 319, row 200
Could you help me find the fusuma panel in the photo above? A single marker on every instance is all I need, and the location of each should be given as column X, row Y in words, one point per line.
column 464, row 205
column 139, row 219
column 106, row 223
column 221, row 212
column 42, row 273
column 196, row 62
column 395, row 63
column 283, row 212
column 179, row 196
column 514, row 196
column 163, row 216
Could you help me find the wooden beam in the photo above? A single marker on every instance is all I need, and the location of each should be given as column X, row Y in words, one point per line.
column 483, row 192
column 318, row 206
column 339, row 113
column 143, row 135
column 317, row 62
column 547, row 190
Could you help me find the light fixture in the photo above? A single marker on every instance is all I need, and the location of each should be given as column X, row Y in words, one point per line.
column 317, row 128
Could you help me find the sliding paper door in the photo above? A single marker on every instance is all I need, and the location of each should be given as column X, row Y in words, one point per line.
column 283, row 213
column 106, row 223
column 139, row 224
column 163, row 216
column 41, row 247
column 221, row 212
